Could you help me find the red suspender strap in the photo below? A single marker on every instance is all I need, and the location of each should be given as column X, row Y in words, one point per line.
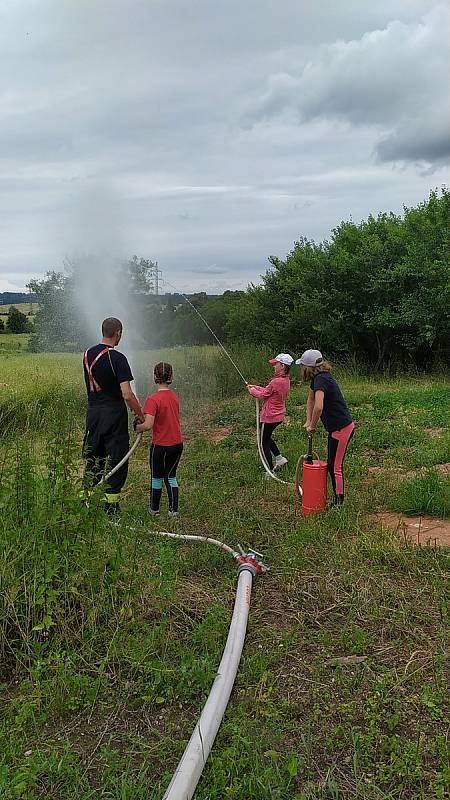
column 93, row 385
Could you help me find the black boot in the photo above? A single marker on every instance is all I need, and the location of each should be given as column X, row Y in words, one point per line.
column 337, row 500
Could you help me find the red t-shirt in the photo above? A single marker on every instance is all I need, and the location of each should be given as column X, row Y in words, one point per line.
column 165, row 408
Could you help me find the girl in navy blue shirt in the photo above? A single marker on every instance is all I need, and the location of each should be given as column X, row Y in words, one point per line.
column 325, row 400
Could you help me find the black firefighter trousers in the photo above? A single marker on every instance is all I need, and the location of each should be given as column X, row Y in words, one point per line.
column 106, row 441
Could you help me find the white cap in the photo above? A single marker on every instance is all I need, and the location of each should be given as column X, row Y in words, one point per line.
column 283, row 358
column 310, row 358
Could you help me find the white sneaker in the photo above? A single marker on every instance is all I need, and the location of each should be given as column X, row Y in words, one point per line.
column 280, row 461
column 174, row 513
column 153, row 513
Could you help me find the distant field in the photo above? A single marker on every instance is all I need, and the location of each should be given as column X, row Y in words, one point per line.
column 13, row 342
column 25, row 308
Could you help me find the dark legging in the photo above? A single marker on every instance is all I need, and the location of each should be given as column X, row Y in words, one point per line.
column 164, row 461
column 337, row 448
column 268, row 445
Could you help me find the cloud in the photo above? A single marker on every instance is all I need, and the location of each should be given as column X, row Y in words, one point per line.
column 211, row 270
column 423, row 140
column 388, row 79
column 333, row 96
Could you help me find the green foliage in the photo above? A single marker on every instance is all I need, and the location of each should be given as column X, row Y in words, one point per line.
column 378, row 291
column 17, row 322
column 137, row 276
column 2, row 326
column 188, row 328
column 57, row 326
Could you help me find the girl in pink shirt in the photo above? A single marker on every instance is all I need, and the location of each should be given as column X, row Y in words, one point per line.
column 273, row 410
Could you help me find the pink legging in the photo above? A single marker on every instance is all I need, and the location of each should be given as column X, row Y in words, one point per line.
column 337, row 446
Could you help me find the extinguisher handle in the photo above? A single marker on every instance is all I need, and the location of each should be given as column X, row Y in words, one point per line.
column 309, row 456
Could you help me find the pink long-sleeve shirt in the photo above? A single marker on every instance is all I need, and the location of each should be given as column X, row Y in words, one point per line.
column 274, row 395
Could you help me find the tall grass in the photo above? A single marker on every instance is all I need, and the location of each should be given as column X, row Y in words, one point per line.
column 37, row 389
column 11, row 343
column 427, row 493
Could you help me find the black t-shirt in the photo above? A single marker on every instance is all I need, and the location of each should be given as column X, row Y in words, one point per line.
column 335, row 414
column 109, row 372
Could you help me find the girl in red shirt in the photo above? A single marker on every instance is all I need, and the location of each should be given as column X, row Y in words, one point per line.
column 162, row 417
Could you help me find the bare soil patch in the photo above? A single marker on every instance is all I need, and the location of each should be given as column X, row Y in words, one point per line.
column 444, row 469
column 420, row 531
column 217, row 435
column 435, row 433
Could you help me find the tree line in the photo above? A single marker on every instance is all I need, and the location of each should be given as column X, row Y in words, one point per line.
column 377, row 291
column 16, row 322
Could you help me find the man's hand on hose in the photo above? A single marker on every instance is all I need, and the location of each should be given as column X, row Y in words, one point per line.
column 138, row 420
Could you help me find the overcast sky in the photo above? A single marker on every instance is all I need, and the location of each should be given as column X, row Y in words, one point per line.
column 209, row 135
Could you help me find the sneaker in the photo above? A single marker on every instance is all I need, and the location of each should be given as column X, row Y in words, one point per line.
column 280, row 461
column 174, row 513
column 153, row 513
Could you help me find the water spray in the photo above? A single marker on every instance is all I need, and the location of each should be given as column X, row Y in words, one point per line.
column 210, row 330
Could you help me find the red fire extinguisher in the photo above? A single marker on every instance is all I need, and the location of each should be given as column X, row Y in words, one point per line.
column 314, row 483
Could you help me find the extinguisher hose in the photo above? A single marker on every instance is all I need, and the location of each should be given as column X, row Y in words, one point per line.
column 262, row 457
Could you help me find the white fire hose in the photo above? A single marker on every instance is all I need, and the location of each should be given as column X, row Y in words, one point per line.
column 128, row 455
column 262, row 457
column 191, row 765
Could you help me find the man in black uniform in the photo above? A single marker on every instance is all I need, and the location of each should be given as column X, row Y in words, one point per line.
column 107, row 375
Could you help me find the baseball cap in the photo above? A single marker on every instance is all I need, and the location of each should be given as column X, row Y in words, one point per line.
column 283, row 358
column 310, row 358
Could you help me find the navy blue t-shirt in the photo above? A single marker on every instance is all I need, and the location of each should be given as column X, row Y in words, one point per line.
column 110, row 371
column 335, row 414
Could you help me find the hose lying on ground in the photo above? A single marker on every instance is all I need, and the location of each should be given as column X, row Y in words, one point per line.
column 191, row 765
column 193, row 760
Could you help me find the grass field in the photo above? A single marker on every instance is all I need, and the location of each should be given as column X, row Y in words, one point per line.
column 13, row 343
column 25, row 308
column 110, row 636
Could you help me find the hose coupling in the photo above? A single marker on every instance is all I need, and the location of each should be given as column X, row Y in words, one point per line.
column 251, row 561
